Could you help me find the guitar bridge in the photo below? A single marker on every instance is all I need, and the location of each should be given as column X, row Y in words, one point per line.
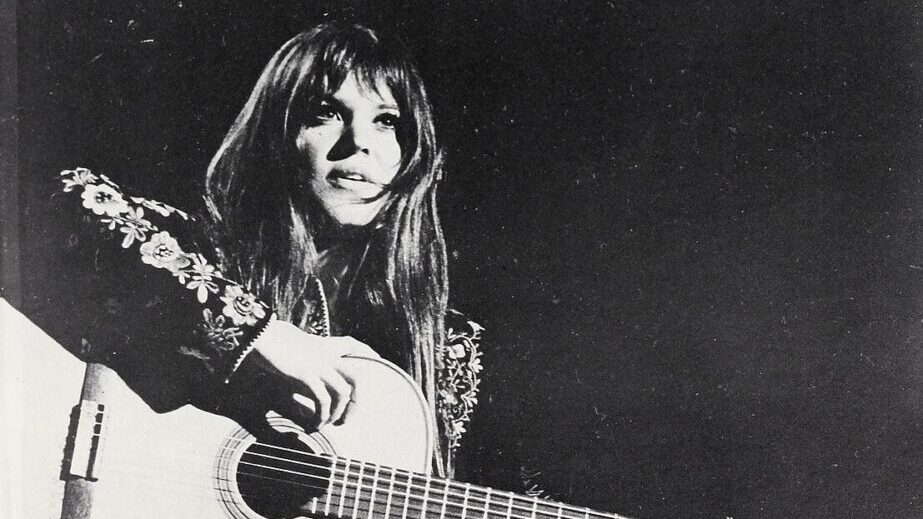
column 84, row 443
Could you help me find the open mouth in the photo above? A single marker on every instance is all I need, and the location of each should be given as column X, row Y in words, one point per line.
column 354, row 184
column 340, row 176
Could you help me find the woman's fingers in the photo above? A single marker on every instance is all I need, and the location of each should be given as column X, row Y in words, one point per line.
column 325, row 400
column 354, row 398
column 314, row 368
column 300, row 410
column 316, row 392
column 341, row 392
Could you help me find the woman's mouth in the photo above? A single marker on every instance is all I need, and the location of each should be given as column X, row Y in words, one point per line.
column 355, row 182
column 348, row 176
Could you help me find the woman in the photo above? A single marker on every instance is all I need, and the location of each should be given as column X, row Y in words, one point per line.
column 321, row 238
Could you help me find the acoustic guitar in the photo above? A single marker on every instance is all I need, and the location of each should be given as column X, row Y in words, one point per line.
column 112, row 457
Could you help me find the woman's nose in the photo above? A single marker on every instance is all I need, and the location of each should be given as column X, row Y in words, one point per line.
column 354, row 139
column 360, row 136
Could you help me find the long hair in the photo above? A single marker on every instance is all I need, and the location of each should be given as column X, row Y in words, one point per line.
column 266, row 228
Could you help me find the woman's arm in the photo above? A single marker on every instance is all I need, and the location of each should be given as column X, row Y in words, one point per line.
column 125, row 284
column 137, row 290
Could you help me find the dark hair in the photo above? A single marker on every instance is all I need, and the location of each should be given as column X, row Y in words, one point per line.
column 265, row 232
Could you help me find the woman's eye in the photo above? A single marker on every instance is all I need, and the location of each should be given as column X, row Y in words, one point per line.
column 388, row 120
column 325, row 113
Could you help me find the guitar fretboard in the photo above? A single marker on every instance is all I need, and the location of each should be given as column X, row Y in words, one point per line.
column 360, row 490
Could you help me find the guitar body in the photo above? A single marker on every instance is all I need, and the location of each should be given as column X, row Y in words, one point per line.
column 182, row 464
column 112, row 457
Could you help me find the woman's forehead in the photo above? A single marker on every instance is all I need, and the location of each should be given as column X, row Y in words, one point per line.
column 373, row 88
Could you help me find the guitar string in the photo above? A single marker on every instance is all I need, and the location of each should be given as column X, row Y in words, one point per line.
column 350, row 500
column 448, row 490
column 347, row 499
column 489, row 506
column 583, row 511
column 370, row 479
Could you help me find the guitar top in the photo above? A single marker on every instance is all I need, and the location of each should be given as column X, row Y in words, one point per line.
column 123, row 460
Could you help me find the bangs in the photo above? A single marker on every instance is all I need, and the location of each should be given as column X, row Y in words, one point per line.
column 372, row 66
column 354, row 50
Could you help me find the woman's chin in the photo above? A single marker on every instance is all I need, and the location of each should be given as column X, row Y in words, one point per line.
column 351, row 217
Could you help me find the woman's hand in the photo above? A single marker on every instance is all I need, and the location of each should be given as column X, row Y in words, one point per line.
column 298, row 375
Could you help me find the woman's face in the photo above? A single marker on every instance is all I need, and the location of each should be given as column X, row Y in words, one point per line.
column 349, row 151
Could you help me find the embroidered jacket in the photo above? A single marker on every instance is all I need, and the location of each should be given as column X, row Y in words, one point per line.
column 174, row 325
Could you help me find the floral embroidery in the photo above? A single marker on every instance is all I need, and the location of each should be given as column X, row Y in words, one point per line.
column 241, row 307
column 132, row 224
column 222, row 333
column 160, row 207
column 217, row 332
column 458, row 363
column 77, row 178
column 201, row 278
column 103, row 199
column 163, row 252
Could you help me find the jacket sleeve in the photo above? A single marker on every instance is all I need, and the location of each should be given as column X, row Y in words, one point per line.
column 136, row 291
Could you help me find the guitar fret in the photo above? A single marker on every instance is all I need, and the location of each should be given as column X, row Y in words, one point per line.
column 407, row 495
column 534, row 507
column 333, row 469
column 464, row 510
column 390, row 494
column 445, row 498
column 486, row 504
column 358, row 496
column 509, row 507
column 343, row 495
column 544, row 509
column 560, row 510
column 425, row 497
column 374, row 488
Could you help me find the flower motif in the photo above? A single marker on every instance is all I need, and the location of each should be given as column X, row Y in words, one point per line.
column 448, row 396
column 217, row 332
column 241, row 307
column 201, row 278
column 159, row 207
column 134, row 226
column 475, row 363
column 78, row 177
column 162, row 251
column 458, row 428
column 456, row 351
column 103, row 199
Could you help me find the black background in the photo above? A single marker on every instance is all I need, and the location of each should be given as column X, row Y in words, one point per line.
column 691, row 229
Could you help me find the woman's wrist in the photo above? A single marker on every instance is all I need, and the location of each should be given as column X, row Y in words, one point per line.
column 274, row 343
column 268, row 328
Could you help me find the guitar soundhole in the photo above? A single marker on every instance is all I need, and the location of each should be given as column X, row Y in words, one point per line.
column 279, row 480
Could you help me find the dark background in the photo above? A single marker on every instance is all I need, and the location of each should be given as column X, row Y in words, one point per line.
column 691, row 229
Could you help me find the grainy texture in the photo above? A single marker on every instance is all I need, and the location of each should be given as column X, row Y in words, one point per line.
column 691, row 230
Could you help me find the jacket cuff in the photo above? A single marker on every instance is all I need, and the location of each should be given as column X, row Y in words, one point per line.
column 246, row 349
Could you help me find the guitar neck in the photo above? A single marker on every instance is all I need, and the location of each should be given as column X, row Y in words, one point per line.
column 363, row 490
